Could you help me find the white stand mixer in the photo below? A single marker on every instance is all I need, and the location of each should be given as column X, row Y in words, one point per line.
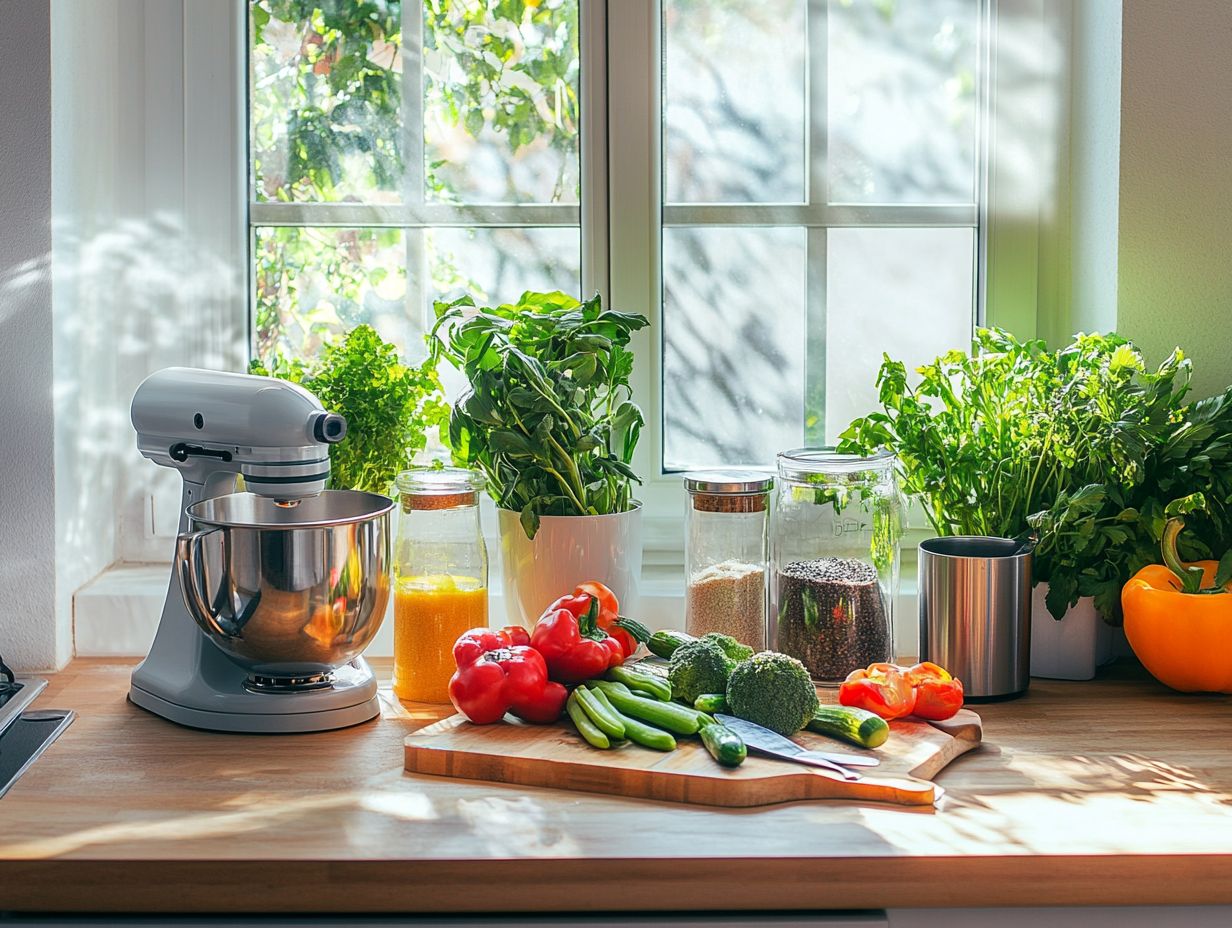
column 217, row 661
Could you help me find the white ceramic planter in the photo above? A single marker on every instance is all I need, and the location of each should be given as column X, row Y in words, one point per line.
column 566, row 551
column 1072, row 648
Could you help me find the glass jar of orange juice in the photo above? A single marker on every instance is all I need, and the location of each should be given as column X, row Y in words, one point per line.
column 441, row 578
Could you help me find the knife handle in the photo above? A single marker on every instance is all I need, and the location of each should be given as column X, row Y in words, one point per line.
column 806, row 758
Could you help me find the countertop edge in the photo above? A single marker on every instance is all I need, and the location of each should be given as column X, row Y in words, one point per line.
column 649, row 884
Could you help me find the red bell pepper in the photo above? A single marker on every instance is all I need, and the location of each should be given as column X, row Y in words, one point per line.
column 491, row 681
column 625, row 630
column 571, row 642
column 883, row 688
column 472, row 645
column 938, row 695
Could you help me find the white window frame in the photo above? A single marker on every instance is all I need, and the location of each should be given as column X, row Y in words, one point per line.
column 1016, row 285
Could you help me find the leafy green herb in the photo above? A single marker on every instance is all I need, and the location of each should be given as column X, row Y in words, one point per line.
column 388, row 406
column 1084, row 446
column 549, row 417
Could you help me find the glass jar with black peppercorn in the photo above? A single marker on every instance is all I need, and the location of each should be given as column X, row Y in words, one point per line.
column 835, row 560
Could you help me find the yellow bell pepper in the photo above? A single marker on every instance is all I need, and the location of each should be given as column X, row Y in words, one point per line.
column 1178, row 623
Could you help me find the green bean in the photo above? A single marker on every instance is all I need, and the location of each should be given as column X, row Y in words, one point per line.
column 647, row 735
column 605, row 717
column 586, row 728
column 601, row 698
column 675, row 718
column 642, row 681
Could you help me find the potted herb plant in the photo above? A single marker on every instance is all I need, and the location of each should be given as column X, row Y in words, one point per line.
column 549, row 420
column 1081, row 447
column 389, row 406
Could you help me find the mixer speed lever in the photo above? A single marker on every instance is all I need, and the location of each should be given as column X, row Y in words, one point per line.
column 181, row 451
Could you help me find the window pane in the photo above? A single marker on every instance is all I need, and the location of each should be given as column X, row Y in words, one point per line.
column 907, row 292
column 314, row 284
column 734, row 93
column 902, row 88
column 501, row 102
column 733, row 348
column 497, row 265
column 325, row 88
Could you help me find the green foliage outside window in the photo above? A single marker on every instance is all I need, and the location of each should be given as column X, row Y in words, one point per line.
column 326, row 112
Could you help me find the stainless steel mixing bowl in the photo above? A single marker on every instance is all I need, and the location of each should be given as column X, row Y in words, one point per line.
column 288, row 590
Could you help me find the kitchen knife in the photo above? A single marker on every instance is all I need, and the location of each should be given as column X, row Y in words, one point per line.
column 765, row 741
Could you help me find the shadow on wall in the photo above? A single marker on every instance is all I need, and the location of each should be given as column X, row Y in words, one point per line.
column 135, row 297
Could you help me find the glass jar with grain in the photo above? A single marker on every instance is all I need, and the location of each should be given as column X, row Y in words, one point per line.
column 726, row 538
column 835, row 560
column 441, row 577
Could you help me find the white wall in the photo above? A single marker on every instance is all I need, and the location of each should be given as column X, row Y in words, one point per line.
column 29, row 633
column 1175, row 271
column 91, row 178
column 122, row 250
column 150, row 248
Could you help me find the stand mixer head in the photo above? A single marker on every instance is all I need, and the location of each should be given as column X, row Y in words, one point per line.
column 274, row 592
column 211, row 425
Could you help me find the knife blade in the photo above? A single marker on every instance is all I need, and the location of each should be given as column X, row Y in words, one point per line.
column 765, row 741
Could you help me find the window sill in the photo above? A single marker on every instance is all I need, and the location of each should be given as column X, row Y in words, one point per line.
column 116, row 614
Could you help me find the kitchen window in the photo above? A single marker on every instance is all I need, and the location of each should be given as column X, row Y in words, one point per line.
column 787, row 188
column 820, row 169
column 397, row 159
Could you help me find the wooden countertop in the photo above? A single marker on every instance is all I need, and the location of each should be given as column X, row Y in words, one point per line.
column 1115, row 791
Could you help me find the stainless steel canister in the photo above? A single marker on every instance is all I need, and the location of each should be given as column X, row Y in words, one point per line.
column 975, row 612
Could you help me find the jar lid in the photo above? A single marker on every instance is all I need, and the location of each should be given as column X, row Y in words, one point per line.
column 439, row 488
column 728, row 481
column 803, row 463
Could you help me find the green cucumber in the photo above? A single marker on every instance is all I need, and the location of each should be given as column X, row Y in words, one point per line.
column 711, row 702
column 642, row 681
column 665, row 642
column 847, row 723
column 678, row 719
column 639, row 632
column 724, row 745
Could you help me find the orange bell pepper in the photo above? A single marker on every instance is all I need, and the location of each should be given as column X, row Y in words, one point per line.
column 938, row 696
column 1178, row 623
column 883, row 688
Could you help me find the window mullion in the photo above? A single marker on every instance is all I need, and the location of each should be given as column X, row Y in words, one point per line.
column 412, row 112
column 827, row 215
column 816, row 245
column 593, row 147
column 410, row 216
column 636, row 210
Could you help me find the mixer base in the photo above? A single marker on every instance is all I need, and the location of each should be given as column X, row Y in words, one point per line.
column 258, row 723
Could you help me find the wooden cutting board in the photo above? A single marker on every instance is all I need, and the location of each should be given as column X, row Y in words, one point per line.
column 555, row 756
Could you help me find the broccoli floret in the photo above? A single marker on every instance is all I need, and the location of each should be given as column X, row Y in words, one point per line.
column 773, row 690
column 698, row 667
column 731, row 647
